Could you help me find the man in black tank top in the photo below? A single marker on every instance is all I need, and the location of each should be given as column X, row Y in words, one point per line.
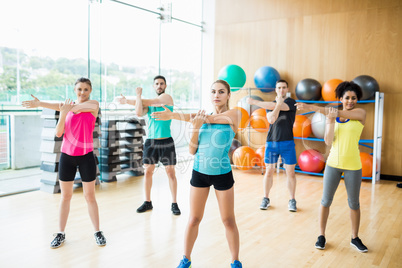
column 281, row 115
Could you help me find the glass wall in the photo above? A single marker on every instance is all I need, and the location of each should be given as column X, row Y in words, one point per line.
column 130, row 44
column 125, row 40
column 45, row 45
column 41, row 52
column 181, row 62
column 123, row 44
column 133, row 41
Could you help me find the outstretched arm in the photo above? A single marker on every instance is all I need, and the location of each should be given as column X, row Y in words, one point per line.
column 355, row 114
column 145, row 102
column 123, row 100
column 142, row 108
column 169, row 115
column 230, row 117
column 269, row 105
column 91, row 106
column 35, row 103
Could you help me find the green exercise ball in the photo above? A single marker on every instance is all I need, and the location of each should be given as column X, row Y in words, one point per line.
column 234, row 75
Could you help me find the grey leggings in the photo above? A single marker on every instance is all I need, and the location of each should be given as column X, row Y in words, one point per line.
column 332, row 177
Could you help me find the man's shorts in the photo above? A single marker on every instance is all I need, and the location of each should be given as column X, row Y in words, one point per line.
column 220, row 182
column 159, row 150
column 285, row 149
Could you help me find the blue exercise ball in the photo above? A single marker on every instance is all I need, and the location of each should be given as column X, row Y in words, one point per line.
column 265, row 78
column 249, row 108
column 234, row 75
column 308, row 89
column 368, row 85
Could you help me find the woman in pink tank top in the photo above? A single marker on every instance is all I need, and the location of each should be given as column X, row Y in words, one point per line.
column 77, row 123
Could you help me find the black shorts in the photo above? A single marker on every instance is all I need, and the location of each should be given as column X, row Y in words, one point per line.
column 86, row 165
column 159, row 151
column 220, row 182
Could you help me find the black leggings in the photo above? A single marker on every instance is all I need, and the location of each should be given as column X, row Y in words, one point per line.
column 86, row 165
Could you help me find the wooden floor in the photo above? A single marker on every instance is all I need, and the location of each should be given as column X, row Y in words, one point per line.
column 271, row 238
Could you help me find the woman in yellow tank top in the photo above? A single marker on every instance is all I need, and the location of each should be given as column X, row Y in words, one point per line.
column 342, row 132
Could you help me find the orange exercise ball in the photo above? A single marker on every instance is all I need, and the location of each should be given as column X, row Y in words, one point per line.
column 243, row 157
column 259, row 121
column 328, row 89
column 302, row 126
column 367, row 164
column 244, row 117
column 260, row 153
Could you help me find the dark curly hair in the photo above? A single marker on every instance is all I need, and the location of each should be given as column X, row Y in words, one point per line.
column 348, row 86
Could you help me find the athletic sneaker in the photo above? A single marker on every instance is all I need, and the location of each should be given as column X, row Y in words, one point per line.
column 147, row 205
column 175, row 209
column 100, row 239
column 320, row 244
column 184, row 263
column 265, row 203
column 58, row 240
column 236, row 264
column 358, row 244
column 292, row 205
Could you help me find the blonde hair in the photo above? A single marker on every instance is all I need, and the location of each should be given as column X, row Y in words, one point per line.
column 227, row 86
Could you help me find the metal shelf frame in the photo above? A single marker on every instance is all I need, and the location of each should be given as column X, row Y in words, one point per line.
column 377, row 135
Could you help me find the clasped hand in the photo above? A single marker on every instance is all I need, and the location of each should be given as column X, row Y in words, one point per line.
column 199, row 119
column 66, row 106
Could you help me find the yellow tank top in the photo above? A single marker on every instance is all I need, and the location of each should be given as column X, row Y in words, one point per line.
column 345, row 153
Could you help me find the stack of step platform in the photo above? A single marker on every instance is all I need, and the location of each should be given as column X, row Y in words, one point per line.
column 50, row 149
column 121, row 148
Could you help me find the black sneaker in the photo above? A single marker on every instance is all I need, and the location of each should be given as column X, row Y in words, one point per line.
column 320, row 244
column 100, row 238
column 358, row 244
column 175, row 209
column 145, row 206
column 58, row 240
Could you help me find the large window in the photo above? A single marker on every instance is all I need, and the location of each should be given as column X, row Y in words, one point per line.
column 181, row 62
column 43, row 48
column 131, row 43
column 45, row 45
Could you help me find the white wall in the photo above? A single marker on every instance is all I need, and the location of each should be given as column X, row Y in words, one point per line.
column 25, row 133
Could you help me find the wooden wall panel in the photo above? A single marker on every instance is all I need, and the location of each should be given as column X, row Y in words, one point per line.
column 320, row 39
